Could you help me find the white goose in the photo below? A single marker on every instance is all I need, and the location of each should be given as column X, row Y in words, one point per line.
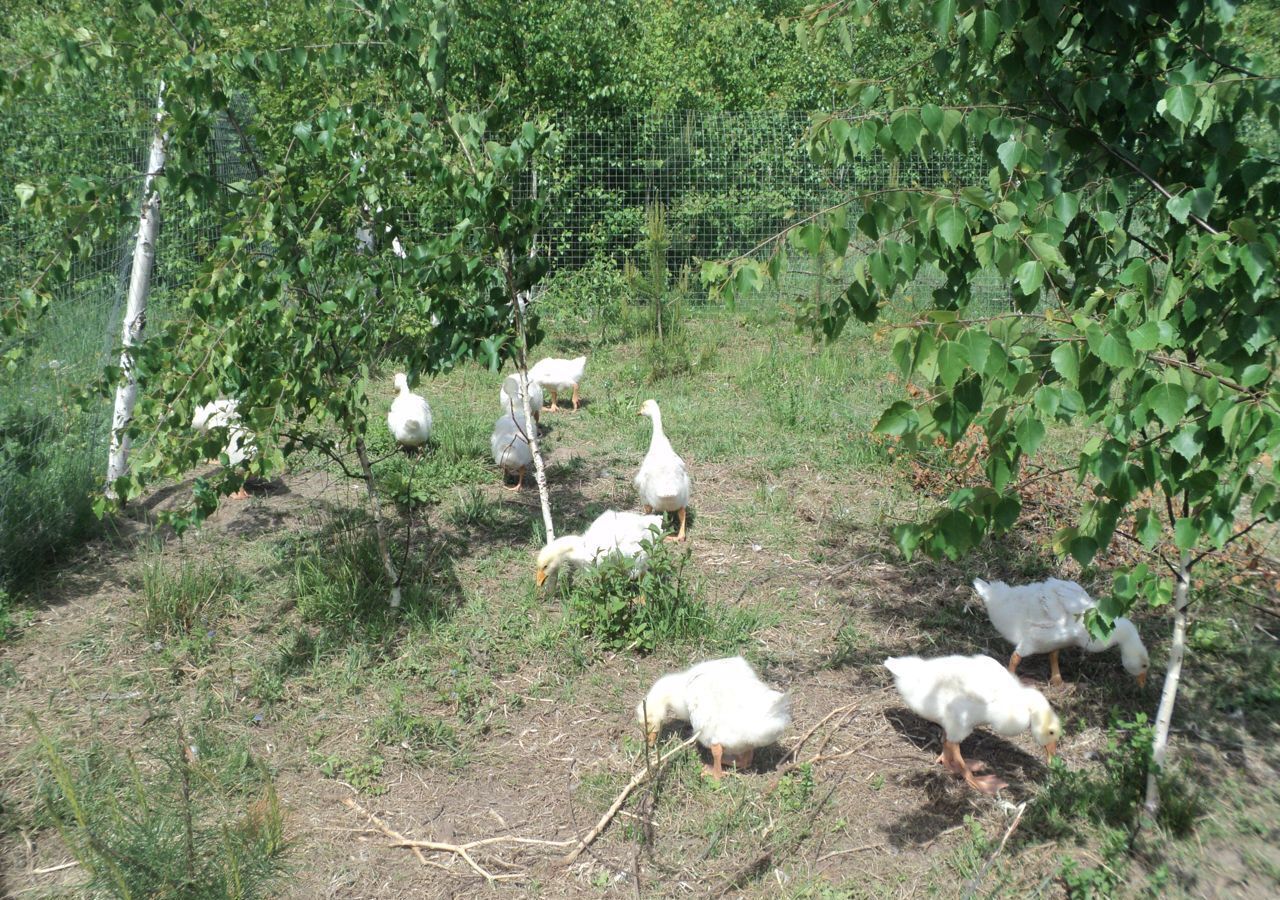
column 409, row 417
column 556, row 375
column 510, row 446
column 611, row 534
column 1049, row 615
column 225, row 413
column 962, row 692
column 732, row 711
column 663, row 481
column 513, row 401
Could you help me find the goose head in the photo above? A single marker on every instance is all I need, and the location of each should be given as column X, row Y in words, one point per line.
column 552, row 556
column 663, row 703
column 1133, row 654
column 1046, row 727
column 402, row 383
column 650, row 409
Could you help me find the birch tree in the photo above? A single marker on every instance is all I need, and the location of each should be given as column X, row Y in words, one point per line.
column 1130, row 201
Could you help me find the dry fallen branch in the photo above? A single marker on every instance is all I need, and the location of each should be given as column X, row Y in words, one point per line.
column 461, row 850
column 972, row 886
column 638, row 779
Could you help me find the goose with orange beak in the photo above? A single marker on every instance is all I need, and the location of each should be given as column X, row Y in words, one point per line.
column 613, row 533
column 962, row 692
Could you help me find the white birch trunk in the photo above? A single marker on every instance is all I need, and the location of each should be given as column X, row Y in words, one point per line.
column 539, row 471
column 1164, row 715
column 522, row 366
column 135, row 314
column 376, row 504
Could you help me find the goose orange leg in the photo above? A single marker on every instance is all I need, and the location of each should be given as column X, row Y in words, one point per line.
column 1013, row 663
column 716, row 771
column 575, row 398
column 1055, row 675
column 743, row 760
column 519, row 480
column 681, row 512
column 955, row 763
column 553, row 407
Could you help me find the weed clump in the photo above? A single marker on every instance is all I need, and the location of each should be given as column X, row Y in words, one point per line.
column 191, row 826
column 660, row 605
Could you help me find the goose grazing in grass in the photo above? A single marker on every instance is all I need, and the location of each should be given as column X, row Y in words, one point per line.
column 611, row 534
column 409, row 417
column 225, row 413
column 1049, row 615
column 962, row 692
column 663, row 481
column 557, row 375
column 513, row 401
column 732, row 711
column 510, row 446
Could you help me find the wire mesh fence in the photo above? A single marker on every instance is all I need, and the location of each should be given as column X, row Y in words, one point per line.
column 52, row 457
column 726, row 184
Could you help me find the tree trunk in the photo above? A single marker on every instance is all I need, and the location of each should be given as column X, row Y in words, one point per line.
column 376, row 503
column 539, row 470
column 135, row 314
column 1164, row 716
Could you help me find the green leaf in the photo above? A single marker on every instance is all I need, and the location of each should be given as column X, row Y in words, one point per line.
column 899, row 418
column 951, row 362
column 1066, row 361
column 1188, row 442
column 1185, row 534
column 987, row 28
column 906, row 131
column 1180, row 102
column 1179, row 207
column 943, row 16
column 1168, row 401
column 1011, row 153
column 1030, row 434
column 951, row 224
column 931, row 115
column 1030, row 275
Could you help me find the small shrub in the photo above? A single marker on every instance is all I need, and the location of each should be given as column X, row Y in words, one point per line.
column 416, row 734
column 474, row 510
column 1087, row 883
column 176, row 830
column 1072, row 799
column 659, row 606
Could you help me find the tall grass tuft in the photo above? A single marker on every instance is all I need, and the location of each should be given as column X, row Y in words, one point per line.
column 48, row 471
column 180, row 596
column 659, row 606
column 172, row 829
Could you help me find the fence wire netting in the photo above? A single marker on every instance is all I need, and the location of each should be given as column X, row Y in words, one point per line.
column 52, row 455
column 724, row 184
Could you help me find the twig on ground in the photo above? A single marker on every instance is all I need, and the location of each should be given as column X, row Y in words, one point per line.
column 638, row 779
column 972, row 887
column 462, row 850
column 850, row 850
column 49, row 870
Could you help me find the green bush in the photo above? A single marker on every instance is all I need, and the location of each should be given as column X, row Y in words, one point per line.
column 661, row 605
column 48, row 470
column 198, row 825
column 1073, row 799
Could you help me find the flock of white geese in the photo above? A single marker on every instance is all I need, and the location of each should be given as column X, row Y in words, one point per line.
column 729, row 708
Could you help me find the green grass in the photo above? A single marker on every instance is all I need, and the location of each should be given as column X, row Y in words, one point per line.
column 200, row 820
column 657, row 607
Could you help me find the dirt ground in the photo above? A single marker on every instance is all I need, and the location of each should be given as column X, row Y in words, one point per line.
column 548, row 744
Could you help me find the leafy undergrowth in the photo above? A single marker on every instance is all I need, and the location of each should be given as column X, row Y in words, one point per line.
column 659, row 606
